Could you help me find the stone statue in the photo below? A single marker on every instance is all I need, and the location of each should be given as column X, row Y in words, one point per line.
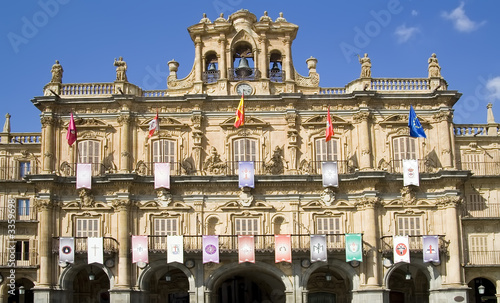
column 434, row 68
column 275, row 166
column 205, row 19
column 221, row 18
column 366, row 66
column 280, row 18
column 121, row 69
column 57, row 73
column 265, row 18
column 214, row 164
column 6, row 126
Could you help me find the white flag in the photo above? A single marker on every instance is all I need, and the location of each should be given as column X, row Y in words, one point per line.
column 66, row 249
column 410, row 172
column 175, row 249
column 401, row 249
column 95, row 250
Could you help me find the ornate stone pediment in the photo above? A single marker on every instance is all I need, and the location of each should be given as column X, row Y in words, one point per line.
column 320, row 121
column 399, row 120
column 165, row 123
column 229, row 206
column 88, row 122
column 250, row 122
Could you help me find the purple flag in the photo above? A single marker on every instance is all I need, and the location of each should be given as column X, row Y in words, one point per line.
column 431, row 248
column 162, row 175
column 330, row 174
column 318, row 248
column 210, row 249
column 246, row 174
column 83, row 175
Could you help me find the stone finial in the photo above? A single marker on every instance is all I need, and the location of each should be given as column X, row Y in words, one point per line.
column 434, row 68
column 366, row 66
column 221, row 18
column 121, row 70
column 57, row 73
column 205, row 19
column 490, row 118
column 173, row 66
column 280, row 18
column 265, row 18
column 311, row 64
column 6, row 126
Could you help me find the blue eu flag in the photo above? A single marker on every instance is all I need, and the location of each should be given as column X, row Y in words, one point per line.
column 416, row 129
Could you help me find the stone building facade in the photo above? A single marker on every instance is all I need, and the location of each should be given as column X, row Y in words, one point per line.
column 284, row 135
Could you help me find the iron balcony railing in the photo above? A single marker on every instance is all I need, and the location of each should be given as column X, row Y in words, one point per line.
column 19, row 259
column 21, row 213
column 314, row 167
column 482, row 257
column 211, row 76
column 148, row 169
column 249, row 74
column 16, row 173
column 415, row 242
column 424, row 166
column 110, row 245
column 263, row 243
column 481, row 168
column 69, row 169
column 481, row 209
column 276, row 75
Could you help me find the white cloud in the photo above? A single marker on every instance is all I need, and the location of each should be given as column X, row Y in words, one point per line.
column 414, row 13
column 405, row 33
column 460, row 20
column 493, row 86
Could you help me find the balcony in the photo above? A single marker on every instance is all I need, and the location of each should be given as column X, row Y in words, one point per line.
column 481, row 168
column 424, row 166
column 211, row 76
column 19, row 259
column 69, row 169
column 276, row 75
column 263, row 243
column 22, row 214
column 252, row 74
column 482, row 258
column 415, row 242
column 481, row 210
column 9, row 173
column 110, row 245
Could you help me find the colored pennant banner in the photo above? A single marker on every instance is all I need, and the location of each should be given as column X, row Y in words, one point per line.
column 95, row 250
column 210, row 249
column 330, row 174
column 410, row 172
column 246, row 172
column 431, row 248
column 246, row 249
column 353, row 247
column 401, row 249
column 67, row 250
column 83, row 175
column 162, row 175
column 283, row 248
column 318, row 248
column 140, row 249
column 175, row 249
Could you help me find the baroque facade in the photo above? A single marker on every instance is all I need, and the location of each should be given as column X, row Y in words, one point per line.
column 284, row 135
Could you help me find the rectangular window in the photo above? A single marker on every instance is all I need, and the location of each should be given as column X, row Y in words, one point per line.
column 330, row 225
column 246, row 226
column 245, row 150
column 89, row 152
column 410, row 226
column 475, row 202
column 24, row 168
column 478, row 243
column 325, row 151
column 22, row 252
column 23, row 209
column 163, row 227
column 87, row 227
column 164, row 151
column 479, row 250
column 474, row 163
column 404, row 148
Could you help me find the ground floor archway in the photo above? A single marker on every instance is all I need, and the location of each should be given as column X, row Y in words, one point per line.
column 408, row 284
column 488, row 294
column 328, row 285
column 90, row 285
column 26, row 295
column 168, row 285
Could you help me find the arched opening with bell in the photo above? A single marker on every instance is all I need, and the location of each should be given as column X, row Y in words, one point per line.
column 276, row 73
column 243, row 62
column 211, row 73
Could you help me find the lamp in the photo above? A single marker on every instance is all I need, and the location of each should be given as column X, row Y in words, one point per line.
column 328, row 276
column 480, row 289
column 91, row 275
column 21, row 290
column 408, row 273
column 168, row 277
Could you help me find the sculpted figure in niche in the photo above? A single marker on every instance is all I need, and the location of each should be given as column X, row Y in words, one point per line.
column 121, row 69
column 275, row 166
column 434, row 68
column 366, row 66
column 57, row 73
column 214, row 164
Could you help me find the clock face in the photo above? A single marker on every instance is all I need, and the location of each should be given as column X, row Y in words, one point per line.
column 244, row 89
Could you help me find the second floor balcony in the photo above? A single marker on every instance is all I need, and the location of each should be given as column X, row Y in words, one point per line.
column 20, row 213
column 110, row 245
column 19, row 259
column 480, row 258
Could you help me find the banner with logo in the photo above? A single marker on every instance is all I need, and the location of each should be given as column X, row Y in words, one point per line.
column 210, row 249
column 246, row 172
column 175, row 249
column 410, row 173
column 246, row 249
column 353, row 247
column 330, row 174
column 431, row 248
column 66, row 249
column 95, row 250
column 401, row 249
column 318, row 248
column 83, row 175
column 283, row 248
column 140, row 249
column 162, row 175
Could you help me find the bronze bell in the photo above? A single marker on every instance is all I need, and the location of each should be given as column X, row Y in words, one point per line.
column 211, row 67
column 243, row 70
column 275, row 68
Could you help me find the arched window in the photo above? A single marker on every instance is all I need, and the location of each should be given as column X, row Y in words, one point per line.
column 278, row 225
column 243, row 63
column 325, row 151
column 212, row 226
column 404, row 148
column 276, row 73
column 211, row 73
column 89, row 152
column 164, row 151
column 245, row 149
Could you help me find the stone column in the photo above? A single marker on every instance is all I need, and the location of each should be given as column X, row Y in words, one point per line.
column 289, row 74
column 198, row 62
column 43, row 289
column 222, row 57
column 264, row 56
column 48, row 136
column 368, row 206
column 125, row 151
column 364, row 142
column 122, row 290
column 445, row 129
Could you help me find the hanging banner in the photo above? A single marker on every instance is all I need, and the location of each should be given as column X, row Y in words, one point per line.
column 246, row 174
column 410, row 172
column 401, row 249
column 283, row 248
column 353, row 247
column 318, row 248
column 83, row 175
column 140, row 249
column 175, row 249
column 330, row 174
column 95, row 250
column 66, row 250
column 246, row 249
column 210, row 249
column 162, row 175
column 431, row 248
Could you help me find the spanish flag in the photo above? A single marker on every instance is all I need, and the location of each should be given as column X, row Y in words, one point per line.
column 240, row 114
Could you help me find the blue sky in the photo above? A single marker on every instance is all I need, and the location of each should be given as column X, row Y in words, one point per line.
column 399, row 37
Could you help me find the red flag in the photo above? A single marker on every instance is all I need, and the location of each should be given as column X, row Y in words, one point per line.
column 329, row 126
column 246, row 249
column 153, row 126
column 283, row 248
column 240, row 114
column 71, row 134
